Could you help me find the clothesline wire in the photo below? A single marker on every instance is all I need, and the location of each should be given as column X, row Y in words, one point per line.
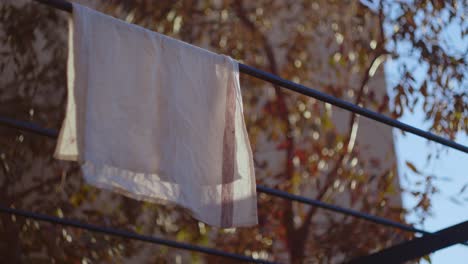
column 254, row 72
column 347, row 106
column 128, row 235
column 418, row 247
column 33, row 128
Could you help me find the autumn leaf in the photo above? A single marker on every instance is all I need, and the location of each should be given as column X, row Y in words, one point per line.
column 412, row 167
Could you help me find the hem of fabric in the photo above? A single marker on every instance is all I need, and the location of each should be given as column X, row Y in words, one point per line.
column 111, row 185
column 66, row 157
column 163, row 201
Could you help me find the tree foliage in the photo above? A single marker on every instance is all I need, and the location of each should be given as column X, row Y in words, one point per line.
column 300, row 145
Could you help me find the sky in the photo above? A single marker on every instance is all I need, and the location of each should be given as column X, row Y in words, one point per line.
column 451, row 164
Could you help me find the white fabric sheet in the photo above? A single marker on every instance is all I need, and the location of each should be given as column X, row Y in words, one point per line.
column 157, row 119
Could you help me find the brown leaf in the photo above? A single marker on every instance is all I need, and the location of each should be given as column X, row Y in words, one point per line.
column 412, row 167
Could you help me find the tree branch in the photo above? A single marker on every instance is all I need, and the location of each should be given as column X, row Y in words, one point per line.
column 352, row 128
column 36, row 187
column 288, row 215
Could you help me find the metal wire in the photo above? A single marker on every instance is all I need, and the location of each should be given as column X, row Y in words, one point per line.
column 348, row 106
column 66, row 6
column 29, row 127
column 341, row 210
column 417, row 247
column 58, row 4
column 129, row 235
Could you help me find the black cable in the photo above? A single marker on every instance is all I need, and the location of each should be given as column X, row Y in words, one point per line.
column 348, row 106
column 270, row 191
column 341, row 210
column 129, row 235
column 62, row 5
column 417, row 247
column 66, row 6
column 29, row 127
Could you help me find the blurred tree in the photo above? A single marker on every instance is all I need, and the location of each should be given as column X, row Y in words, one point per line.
column 336, row 46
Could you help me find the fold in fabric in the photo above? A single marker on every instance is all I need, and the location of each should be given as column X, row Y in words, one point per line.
column 157, row 119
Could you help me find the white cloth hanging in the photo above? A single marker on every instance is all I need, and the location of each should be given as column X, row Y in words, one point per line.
column 157, row 119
